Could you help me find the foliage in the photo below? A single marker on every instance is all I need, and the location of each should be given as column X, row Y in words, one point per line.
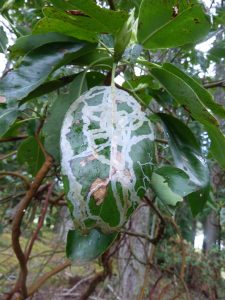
column 72, row 134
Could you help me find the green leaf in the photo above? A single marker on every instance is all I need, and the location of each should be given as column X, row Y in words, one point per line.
column 163, row 191
column 107, row 154
column 64, row 25
column 13, row 129
column 185, row 150
column 37, row 66
column 165, row 24
column 186, row 95
column 123, row 37
column 140, row 87
column 197, row 200
column 217, row 145
column 204, row 96
column 30, row 154
column 128, row 5
column 218, row 50
column 109, row 21
column 98, row 58
column 172, row 184
column 84, row 248
column 27, row 43
column 48, row 87
column 177, row 180
column 7, row 118
column 3, row 40
column 54, row 121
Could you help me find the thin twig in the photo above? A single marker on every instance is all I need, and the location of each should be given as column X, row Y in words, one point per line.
column 16, row 224
column 13, row 138
column 40, row 223
column 5, row 156
column 39, row 282
column 209, row 85
column 18, row 175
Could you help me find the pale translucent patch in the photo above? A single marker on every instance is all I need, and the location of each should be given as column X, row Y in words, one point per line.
column 119, row 117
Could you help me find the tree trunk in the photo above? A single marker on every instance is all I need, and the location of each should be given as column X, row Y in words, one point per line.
column 133, row 256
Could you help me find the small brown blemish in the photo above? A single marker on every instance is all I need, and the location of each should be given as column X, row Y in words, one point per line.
column 89, row 158
column 196, row 20
column 76, row 13
column 98, row 190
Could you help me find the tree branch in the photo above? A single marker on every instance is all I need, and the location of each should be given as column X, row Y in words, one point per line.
column 13, row 138
column 16, row 224
column 40, row 223
column 15, row 174
column 209, row 85
column 39, row 282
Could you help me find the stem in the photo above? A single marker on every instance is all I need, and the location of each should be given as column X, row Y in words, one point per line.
column 40, row 223
column 113, row 75
column 16, row 225
column 15, row 174
column 39, row 282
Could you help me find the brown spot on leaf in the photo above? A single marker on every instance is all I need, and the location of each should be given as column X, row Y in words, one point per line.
column 76, row 13
column 196, row 20
column 98, row 190
column 89, row 158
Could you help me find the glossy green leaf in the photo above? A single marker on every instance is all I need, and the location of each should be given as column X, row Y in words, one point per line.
column 218, row 50
column 53, row 124
column 13, row 129
column 7, row 118
column 185, row 150
column 168, row 24
column 184, row 94
column 66, row 27
column 30, row 154
column 48, row 87
column 128, row 5
column 98, row 58
column 197, row 200
column 109, row 21
column 3, row 40
column 123, row 37
column 140, row 87
column 82, row 248
column 107, row 156
column 54, row 121
column 163, row 191
column 171, row 184
column 187, row 96
column 37, row 66
column 217, row 145
column 177, row 180
column 204, row 96
column 27, row 43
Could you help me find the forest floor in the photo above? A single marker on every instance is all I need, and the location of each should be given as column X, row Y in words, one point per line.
column 48, row 252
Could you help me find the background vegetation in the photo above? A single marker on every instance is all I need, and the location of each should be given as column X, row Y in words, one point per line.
column 52, row 56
